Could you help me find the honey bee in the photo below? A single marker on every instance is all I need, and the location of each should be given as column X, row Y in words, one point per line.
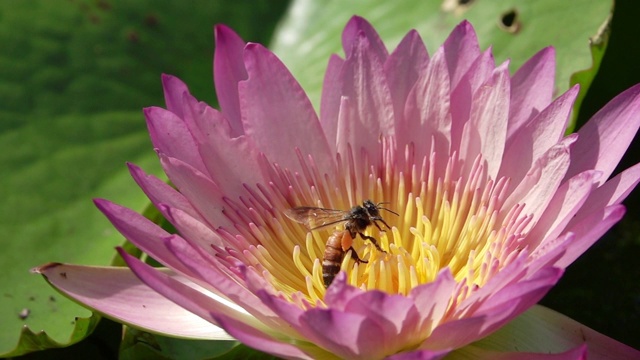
column 356, row 221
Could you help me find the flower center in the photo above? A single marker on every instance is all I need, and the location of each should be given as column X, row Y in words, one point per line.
column 449, row 215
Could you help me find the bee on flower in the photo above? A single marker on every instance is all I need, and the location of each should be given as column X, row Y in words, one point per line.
column 492, row 200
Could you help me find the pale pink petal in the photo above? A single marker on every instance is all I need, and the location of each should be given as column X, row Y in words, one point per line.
column 228, row 70
column 488, row 122
column 358, row 26
column 402, row 69
column 171, row 136
column 118, row 294
column 604, row 139
column 542, row 330
column 461, row 49
column 532, row 89
column 537, row 136
column 427, row 115
column 368, row 114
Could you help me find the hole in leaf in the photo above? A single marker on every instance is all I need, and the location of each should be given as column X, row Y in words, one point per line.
column 510, row 22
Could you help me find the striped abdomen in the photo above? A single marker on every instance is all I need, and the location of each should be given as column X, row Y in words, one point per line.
column 333, row 255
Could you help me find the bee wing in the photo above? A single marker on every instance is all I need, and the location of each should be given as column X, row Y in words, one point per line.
column 314, row 217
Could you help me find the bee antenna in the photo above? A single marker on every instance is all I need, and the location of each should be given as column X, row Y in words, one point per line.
column 391, row 211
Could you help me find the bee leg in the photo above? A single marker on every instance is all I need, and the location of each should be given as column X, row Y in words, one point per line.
column 354, row 256
column 375, row 222
column 373, row 241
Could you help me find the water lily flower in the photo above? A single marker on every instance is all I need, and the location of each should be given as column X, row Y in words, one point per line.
column 493, row 202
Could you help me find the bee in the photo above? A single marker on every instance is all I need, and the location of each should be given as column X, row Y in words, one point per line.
column 356, row 220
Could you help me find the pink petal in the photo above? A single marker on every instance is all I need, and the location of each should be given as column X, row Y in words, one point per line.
column 228, row 71
column 589, row 230
column 531, row 88
column 488, row 122
column 358, row 26
column 277, row 114
column 455, row 333
column 141, row 232
column 203, row 193
column 368, row 114
column 493, row 313
column 192, row 229
column 339, row 294
column 538, row 187
column 462, row 95
column 188, row 295
column 605, row 138
column 403, row 68
column 171, row 136
column 432, row 299
column 461, row 49
column 396, row 315
column 259, row 340
column 345, row 334
column 159, row 192
column 118, row 294
column 508, row 275
column 518, row 297
column 289, row 312
column 217, row 277
column 537, row 136
column 231, row 161
column 610, row 193
column 427, row 114
column 542, row 330
column 569, row 198
column 330, row 100
column 174, row 89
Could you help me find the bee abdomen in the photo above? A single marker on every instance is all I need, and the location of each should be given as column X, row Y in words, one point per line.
column 332, row 259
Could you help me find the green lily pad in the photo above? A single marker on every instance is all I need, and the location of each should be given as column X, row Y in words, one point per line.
column 516, row 30
column 74, row 78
